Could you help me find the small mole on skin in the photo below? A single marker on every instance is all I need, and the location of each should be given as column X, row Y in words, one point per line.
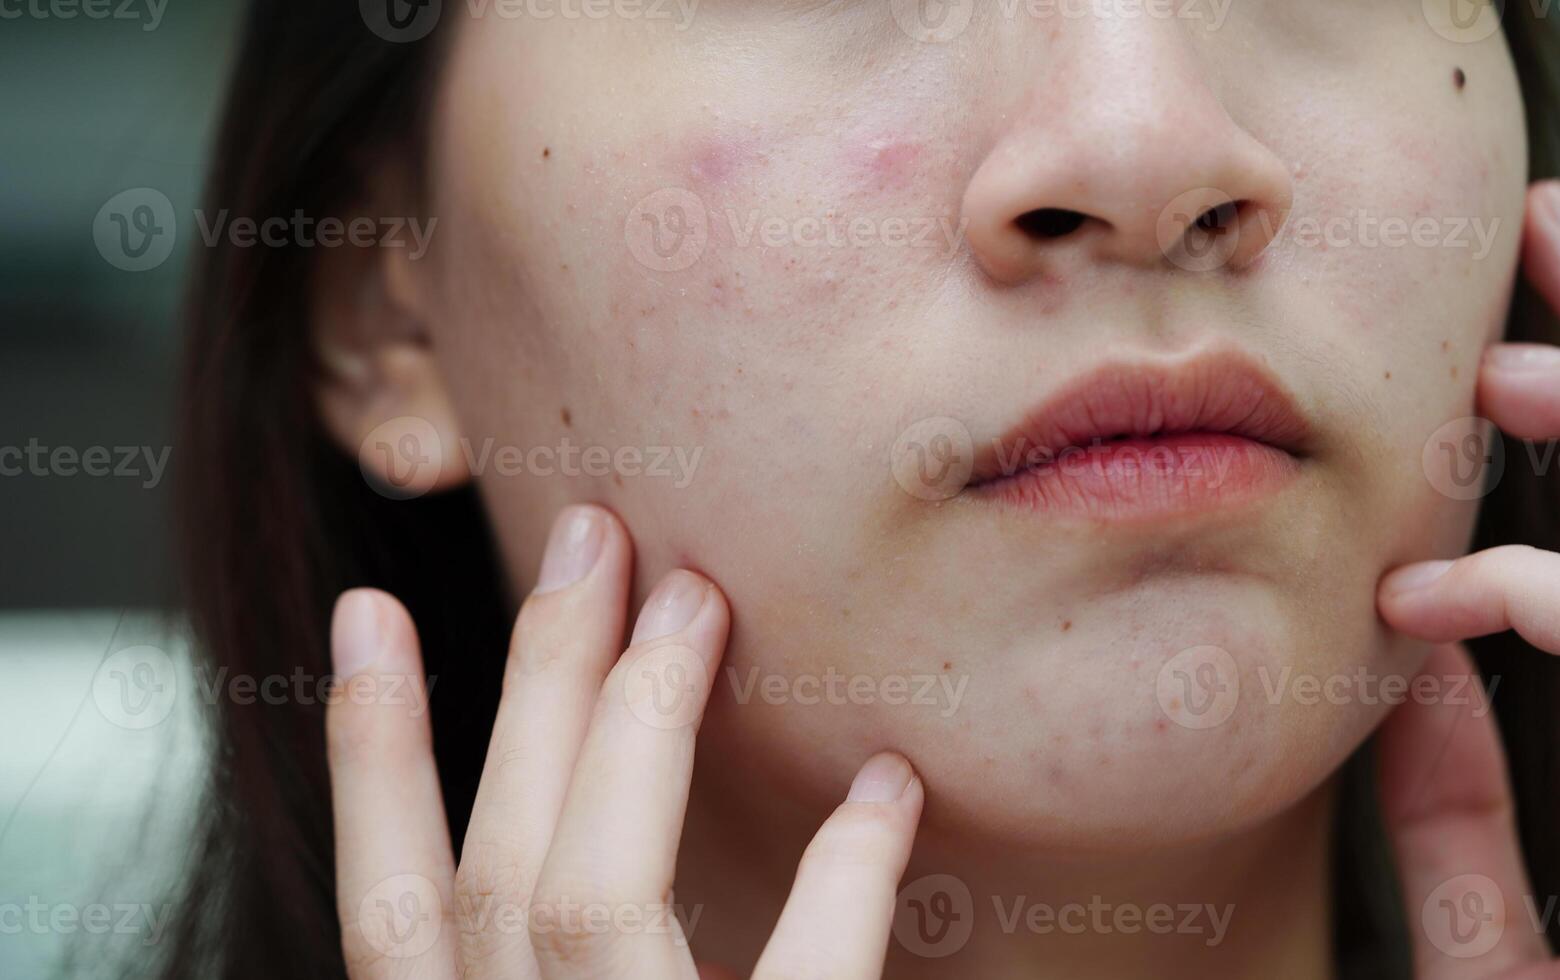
column 546, row 152
column 1388, row 375
column 568, row 419
column 1446, row 345
column 947, row 664
column 1066, row 625
column 1160, row 725
column 1459, row 78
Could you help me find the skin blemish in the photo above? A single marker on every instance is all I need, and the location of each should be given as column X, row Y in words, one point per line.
column 713, row 160
column 1446, row 345
column 885, row 164
column 1066, row 625
column 546, row 152
column 1459, row 78
column 947, row 665
column 568, row 419
column 1388, row 375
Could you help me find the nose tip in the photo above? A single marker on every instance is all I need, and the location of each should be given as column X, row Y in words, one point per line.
column 1177, row 184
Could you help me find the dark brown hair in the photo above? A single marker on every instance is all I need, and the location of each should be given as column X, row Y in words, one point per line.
column 277, row 522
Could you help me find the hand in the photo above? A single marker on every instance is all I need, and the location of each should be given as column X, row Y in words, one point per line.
column 569, row 857
column 1445, row 796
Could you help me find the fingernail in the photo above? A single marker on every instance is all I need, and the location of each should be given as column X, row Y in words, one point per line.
column 354, row 632
column 1523, row 357
column 572, row 548
column 1415, row 577
column 882, row 780
column 670, row 607
column 1550, row 195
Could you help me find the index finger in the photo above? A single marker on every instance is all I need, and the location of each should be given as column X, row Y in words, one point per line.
column 1448, row 811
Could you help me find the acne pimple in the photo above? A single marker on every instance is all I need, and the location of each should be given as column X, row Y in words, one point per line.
column 714, row 159
column 886, row 163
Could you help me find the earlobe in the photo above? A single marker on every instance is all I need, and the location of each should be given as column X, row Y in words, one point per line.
column 380, row 392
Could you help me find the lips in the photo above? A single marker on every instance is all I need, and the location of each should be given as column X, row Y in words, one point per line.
column 1145, row 439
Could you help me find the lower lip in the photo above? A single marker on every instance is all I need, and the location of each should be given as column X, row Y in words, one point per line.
column 1146, row 477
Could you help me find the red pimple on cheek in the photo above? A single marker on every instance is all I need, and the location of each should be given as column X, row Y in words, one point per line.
column 887, row 163
column 714, row 159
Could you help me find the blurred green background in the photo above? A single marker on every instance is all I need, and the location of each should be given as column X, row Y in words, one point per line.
column 91, row 800
column 95, row 107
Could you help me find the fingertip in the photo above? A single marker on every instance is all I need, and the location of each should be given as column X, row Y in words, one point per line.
column 369, row 628
column 354, row 631
column 1410, row 579
column 887, row 777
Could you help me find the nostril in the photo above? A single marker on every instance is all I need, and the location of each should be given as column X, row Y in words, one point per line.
column 1050, row 222
column 1220, row 218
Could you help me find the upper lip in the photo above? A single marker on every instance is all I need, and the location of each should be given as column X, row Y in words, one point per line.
column 1226, row 392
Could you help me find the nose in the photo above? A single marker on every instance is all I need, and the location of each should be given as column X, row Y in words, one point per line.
column 1121, row 151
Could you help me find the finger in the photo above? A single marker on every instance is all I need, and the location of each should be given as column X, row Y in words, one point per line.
column 1448, row 811
column 566, row 638
column 1519, row 389
column 1510, row 587
column 615, row 847
column 837, row 919
column 1541, row 240
column 394, row 870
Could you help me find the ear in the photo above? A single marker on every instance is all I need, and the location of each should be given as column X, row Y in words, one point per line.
column 380, row 392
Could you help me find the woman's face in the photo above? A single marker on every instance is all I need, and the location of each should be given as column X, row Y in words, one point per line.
column 775, row 248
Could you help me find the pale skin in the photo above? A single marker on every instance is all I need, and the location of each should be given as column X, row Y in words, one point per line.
column 582, row 791
column 794, row 367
